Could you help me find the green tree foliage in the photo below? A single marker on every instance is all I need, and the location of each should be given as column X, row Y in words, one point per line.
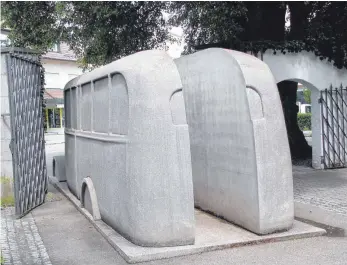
column 202, row 21
column 319, row 27
column 307, row 95
column 328, row 29
column 98, row 32
column 101, row 31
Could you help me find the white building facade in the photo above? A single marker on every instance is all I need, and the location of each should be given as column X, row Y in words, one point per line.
column 60, row 66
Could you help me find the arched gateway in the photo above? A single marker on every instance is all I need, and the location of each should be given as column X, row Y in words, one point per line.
column 329, row 107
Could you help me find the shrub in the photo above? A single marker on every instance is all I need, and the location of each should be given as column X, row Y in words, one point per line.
column 304, row 121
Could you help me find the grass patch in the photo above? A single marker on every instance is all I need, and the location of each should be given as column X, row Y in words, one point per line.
column 7, row 196
column 2, row 260
column 6, row 180
column 7, row 201
column 49, row 196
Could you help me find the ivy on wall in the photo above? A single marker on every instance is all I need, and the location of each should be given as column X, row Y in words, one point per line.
column 323, row 50
column 42, row 92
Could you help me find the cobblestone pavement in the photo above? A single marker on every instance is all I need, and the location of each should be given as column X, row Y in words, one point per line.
column 21, row 243
column 326, row 189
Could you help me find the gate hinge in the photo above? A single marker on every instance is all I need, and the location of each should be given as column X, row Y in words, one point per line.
column 320, row 100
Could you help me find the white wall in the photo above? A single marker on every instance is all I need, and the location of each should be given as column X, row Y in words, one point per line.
column 6, row 156
column 307, row 69
column 58, row 72
column 305, row 66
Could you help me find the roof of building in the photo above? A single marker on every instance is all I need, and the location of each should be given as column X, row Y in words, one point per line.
column 53, row 97
column 65, row 53
column 55, row 93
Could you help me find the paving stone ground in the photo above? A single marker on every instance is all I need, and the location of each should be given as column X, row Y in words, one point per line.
column 326, row 189
column 21, row 243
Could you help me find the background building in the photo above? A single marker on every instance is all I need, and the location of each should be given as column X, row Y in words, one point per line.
column 60, row 67
column 304, row 104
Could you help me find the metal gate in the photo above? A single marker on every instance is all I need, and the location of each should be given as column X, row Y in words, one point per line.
column 27, row 131
column 334, row 127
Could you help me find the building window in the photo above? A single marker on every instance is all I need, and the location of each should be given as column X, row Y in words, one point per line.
column 54, row 118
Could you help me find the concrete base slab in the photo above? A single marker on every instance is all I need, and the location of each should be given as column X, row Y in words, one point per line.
column 334, row 223
column 212, row 233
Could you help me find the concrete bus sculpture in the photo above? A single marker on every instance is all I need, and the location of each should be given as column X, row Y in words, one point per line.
column 133, row 163
column 274, row 166
column 127, row 143
column 240, row 155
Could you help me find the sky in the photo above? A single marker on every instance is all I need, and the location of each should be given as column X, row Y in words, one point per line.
column 175, row 49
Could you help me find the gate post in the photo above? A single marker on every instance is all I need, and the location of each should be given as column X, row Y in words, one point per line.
column 5, row 124
column 316, row 125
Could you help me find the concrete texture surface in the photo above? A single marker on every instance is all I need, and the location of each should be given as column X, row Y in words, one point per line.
column 70, row 238
column 212, row 233
column 240, row 159
column 59, row 167
column 126, row 130
column 54, row 148
column 334, row 223
column 221, row 136
column 273, row 161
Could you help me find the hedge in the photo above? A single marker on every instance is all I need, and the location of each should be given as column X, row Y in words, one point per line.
column 304, row 121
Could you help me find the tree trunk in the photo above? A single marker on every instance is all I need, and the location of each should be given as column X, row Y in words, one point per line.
column 299, row 147
column 272, row 20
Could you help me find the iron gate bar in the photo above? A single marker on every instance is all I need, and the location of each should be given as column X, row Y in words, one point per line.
column 27, row 144
column 337, row 117
column 338, row 108
column 343, row 125
column 330, row 144
column 335, row 120
column 331, row 124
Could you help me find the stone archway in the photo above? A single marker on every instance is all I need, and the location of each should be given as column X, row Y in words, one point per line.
column 300, row 149
column 317, row 75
